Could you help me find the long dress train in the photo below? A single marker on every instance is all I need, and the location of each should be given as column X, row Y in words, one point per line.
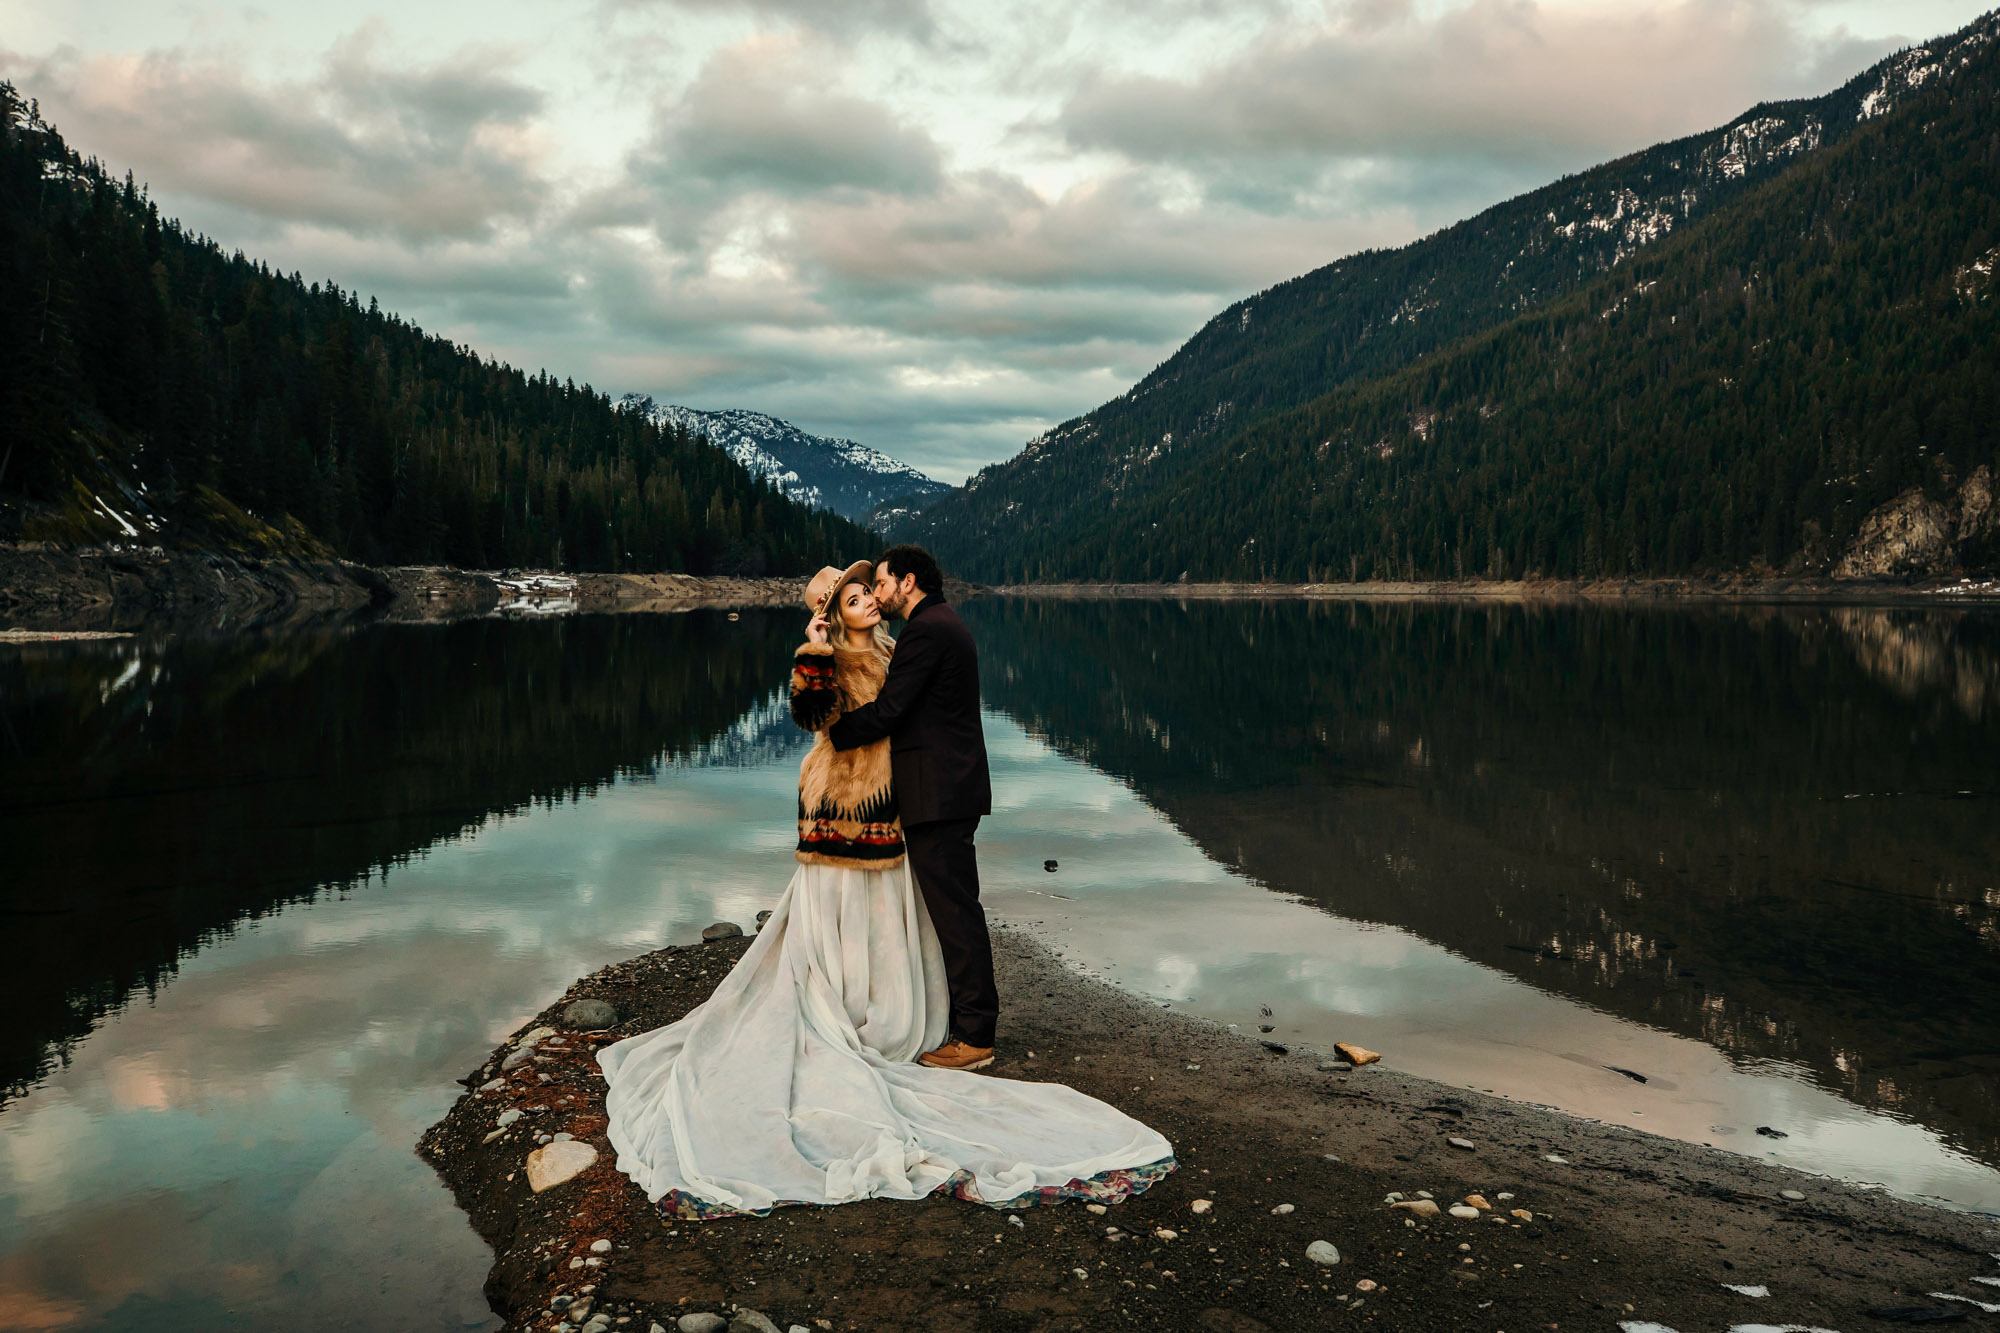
column 795, row 1083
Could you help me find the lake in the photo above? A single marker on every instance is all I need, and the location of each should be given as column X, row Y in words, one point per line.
column 1700, row 871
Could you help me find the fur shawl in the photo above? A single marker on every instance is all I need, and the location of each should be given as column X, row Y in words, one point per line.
column 847, row 799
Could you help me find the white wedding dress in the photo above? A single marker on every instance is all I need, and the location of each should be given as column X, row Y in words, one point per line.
column 796, row 1081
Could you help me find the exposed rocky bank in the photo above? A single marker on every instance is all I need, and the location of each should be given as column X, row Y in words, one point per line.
column 1309, row 1197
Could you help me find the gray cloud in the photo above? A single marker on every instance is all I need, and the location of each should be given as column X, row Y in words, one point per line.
column 1502, row 80
column 442, row 151
column 754, row 119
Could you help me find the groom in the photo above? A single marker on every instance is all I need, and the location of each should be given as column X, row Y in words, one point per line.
column 929, row 707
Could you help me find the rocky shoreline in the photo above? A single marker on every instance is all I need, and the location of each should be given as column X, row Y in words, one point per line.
column 48, row 589
column 1309, row 1196
column 1955, row 591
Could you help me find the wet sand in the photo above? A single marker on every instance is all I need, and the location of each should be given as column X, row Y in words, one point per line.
column 1626, row 1227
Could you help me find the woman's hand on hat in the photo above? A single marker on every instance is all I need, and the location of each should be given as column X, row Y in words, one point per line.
column 818, row 630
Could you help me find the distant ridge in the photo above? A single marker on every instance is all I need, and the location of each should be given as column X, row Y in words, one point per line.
column 1368, row 365
column 844, row 476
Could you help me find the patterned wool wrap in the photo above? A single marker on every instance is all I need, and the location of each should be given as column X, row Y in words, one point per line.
column 847, row 800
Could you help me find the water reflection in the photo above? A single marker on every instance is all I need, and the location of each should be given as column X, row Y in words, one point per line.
column 1773, row 830
column 1749, row 854
column 153, row 794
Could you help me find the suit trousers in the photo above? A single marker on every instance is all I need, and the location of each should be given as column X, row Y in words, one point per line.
column 946, row 867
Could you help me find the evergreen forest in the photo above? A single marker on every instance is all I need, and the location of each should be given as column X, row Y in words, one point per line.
column 1735, row 389
column 156, row 390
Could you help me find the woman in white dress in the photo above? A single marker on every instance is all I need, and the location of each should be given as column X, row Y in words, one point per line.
column 796, row 1081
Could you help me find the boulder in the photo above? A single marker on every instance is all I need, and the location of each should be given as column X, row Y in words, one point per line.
column 589, row 1016
column 559, row 1162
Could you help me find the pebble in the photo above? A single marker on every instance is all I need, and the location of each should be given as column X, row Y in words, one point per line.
column 1464, row 1211
column 1559, row 1161
column 1276, row 1047
column 1082, row 1273
column 1322, row 1252
column 1392, row 1198
column 580, row 1309
column 762, row 917
column 493, row 1085
column 1200, row 1206
column 1282, row 1209
column 1424, row 1194
column 591, row 1015
column 1097, row 1208
column 1503, row 1197
column 701, row 1323
column 494, row 1135
column 1759, row 1292
column 751, row 1321
column 1356, row 1055
column 558, row 1162
column 1421, row 1207
column 1793, row 1195
column 721, row 930
column 564, row 1137
column 1523, row 1214
column 508, row 1117
column 600, row 1247
column 1460, row 1143
column 1770, row 1133
column 1479, row 1201
column 1331, row 1157
column 1166, row 1233
column 1335, row 1067
column 1365, row 1284
column 530, row 1038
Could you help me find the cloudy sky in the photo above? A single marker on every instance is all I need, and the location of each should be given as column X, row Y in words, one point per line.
column 936, row 227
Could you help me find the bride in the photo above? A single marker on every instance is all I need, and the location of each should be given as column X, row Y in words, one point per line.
column 796, row 1081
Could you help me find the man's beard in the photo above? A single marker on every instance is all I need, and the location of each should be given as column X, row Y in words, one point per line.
column 891, row 603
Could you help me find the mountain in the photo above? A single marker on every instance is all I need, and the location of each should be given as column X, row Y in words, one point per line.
column 841, row 475
column 1445, row 406
column 154, row 389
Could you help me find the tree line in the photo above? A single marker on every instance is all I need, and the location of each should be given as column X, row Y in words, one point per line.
column 154, row 387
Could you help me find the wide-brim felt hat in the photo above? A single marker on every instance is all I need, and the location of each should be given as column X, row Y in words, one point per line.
column 823, row 585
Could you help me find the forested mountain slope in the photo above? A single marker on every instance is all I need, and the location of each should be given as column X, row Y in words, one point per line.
column 1796, row 212
column 156, row 390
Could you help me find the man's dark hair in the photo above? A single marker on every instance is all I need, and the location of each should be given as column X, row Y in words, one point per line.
column 916, row 560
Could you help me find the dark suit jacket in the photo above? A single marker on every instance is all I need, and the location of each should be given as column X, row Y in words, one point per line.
column 929, row 709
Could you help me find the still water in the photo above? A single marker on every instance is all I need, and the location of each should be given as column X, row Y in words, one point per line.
column 267, row 897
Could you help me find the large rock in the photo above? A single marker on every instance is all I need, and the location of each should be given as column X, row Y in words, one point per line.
column 721, row 930
column 1906, row 538
column 559, row 1162
column 589, row 1016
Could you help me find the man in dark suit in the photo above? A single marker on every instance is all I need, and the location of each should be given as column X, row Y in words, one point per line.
column 929, row 708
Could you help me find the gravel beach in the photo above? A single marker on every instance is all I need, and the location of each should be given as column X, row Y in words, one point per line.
column 1281, row 1215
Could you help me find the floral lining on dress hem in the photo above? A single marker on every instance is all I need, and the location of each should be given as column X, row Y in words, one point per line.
column 1104, row 1187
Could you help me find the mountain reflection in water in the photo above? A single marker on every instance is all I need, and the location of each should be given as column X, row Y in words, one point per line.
column 1770, row 829
column 153, row 794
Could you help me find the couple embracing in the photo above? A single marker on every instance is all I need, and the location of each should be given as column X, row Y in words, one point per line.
column 833, row 1063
